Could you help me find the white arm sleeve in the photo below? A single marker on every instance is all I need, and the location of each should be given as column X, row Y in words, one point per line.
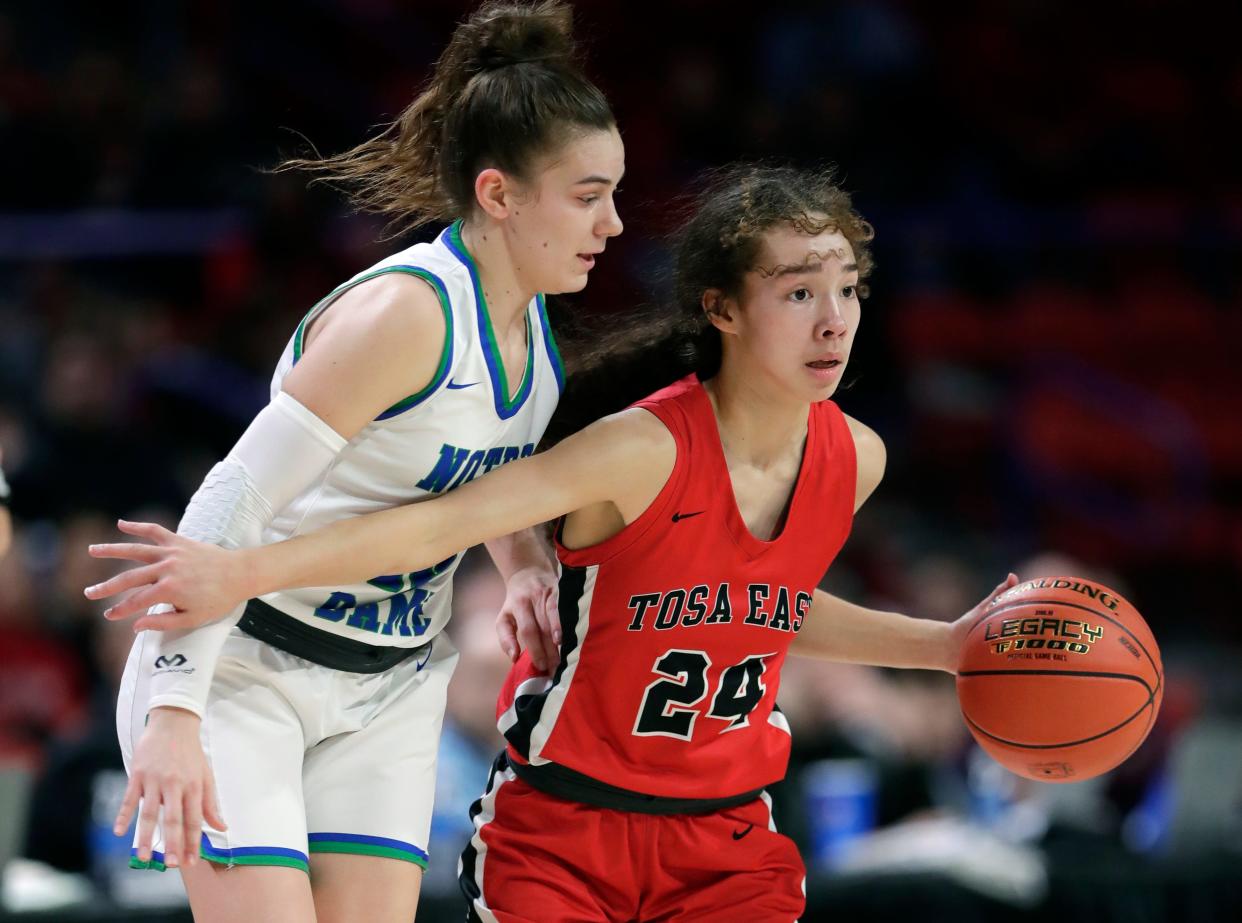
column 285, row 450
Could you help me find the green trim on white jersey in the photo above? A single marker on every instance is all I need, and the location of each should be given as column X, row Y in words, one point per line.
column 446, row 352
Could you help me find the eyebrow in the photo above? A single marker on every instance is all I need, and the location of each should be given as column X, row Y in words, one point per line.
column 800, row 268
column 602, row 180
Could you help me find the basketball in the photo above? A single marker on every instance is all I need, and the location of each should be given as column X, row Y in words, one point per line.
column 1060, row 679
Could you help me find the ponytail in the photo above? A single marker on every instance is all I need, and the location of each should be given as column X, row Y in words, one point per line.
column 503, row 93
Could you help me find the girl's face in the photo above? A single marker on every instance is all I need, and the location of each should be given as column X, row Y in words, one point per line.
column 794, row 322
column 562, row 219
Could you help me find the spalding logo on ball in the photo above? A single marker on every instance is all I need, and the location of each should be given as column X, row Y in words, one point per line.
column 1060, row 679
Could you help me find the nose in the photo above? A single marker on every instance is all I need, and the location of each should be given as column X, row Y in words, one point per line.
column 832, row 324
column 610, row 222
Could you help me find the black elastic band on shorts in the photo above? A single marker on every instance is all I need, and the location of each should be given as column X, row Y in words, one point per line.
column 286, row 633
column 575, row 786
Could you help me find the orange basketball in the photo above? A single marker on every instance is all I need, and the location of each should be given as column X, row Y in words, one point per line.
column 1060, row 679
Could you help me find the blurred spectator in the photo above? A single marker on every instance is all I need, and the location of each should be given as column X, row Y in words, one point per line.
column 62, row 826
column 42, row 681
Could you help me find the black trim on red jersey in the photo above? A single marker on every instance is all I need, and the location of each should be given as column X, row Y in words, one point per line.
column 562, row 782
column 528, row 708
column 469, row 855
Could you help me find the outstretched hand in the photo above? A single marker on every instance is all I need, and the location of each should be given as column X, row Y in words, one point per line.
column 961, row 628
column 199, row 581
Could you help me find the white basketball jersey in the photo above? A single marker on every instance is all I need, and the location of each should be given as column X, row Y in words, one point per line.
column 462, row 425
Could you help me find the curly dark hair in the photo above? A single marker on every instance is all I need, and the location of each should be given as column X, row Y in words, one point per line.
column 622, row 358
column 720, row 241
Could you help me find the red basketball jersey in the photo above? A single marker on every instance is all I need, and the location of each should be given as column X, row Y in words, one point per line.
column 675, row 629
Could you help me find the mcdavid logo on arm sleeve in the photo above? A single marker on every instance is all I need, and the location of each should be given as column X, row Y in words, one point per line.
column 176, row 663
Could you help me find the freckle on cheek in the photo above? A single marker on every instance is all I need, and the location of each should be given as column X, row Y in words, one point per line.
column 545, row 245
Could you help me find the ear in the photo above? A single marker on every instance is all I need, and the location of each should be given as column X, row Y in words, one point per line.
column 721, row 310
column 493, row 192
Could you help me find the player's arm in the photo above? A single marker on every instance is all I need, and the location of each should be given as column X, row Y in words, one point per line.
column 529, row 548
column 836, row 629
column 623, row 460
column 580, row 471
column 871, row 457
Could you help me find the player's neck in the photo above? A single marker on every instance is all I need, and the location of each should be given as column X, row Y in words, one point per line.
column 756, row 427
column 506, row 299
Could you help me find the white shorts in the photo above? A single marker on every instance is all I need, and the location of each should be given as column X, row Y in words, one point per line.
column 307, row 758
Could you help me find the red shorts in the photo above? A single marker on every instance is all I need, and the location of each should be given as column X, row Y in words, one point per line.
column 536, row 858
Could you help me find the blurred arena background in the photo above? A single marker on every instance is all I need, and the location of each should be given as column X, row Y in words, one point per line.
column 1050, row 352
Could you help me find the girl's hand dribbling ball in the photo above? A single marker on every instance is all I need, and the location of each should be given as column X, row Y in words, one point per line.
column 1060, row 679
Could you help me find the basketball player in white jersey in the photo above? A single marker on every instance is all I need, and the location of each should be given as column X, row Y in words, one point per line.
column 299, row 734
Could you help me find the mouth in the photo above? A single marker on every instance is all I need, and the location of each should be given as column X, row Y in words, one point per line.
column 825, row 369
column 588, row 259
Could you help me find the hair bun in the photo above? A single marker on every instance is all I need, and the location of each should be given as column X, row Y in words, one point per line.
column 514, row 33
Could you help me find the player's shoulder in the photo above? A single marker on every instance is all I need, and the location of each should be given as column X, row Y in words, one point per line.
column 640, row 426
column 624, row 458
column 629, row 442
column 390, row 307
column 634, row 429
column 379, row 341
column 394, row 292
column 872, row 456
column 866, row 440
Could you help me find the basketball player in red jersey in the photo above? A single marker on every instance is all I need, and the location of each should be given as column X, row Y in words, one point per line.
column 696, row 527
